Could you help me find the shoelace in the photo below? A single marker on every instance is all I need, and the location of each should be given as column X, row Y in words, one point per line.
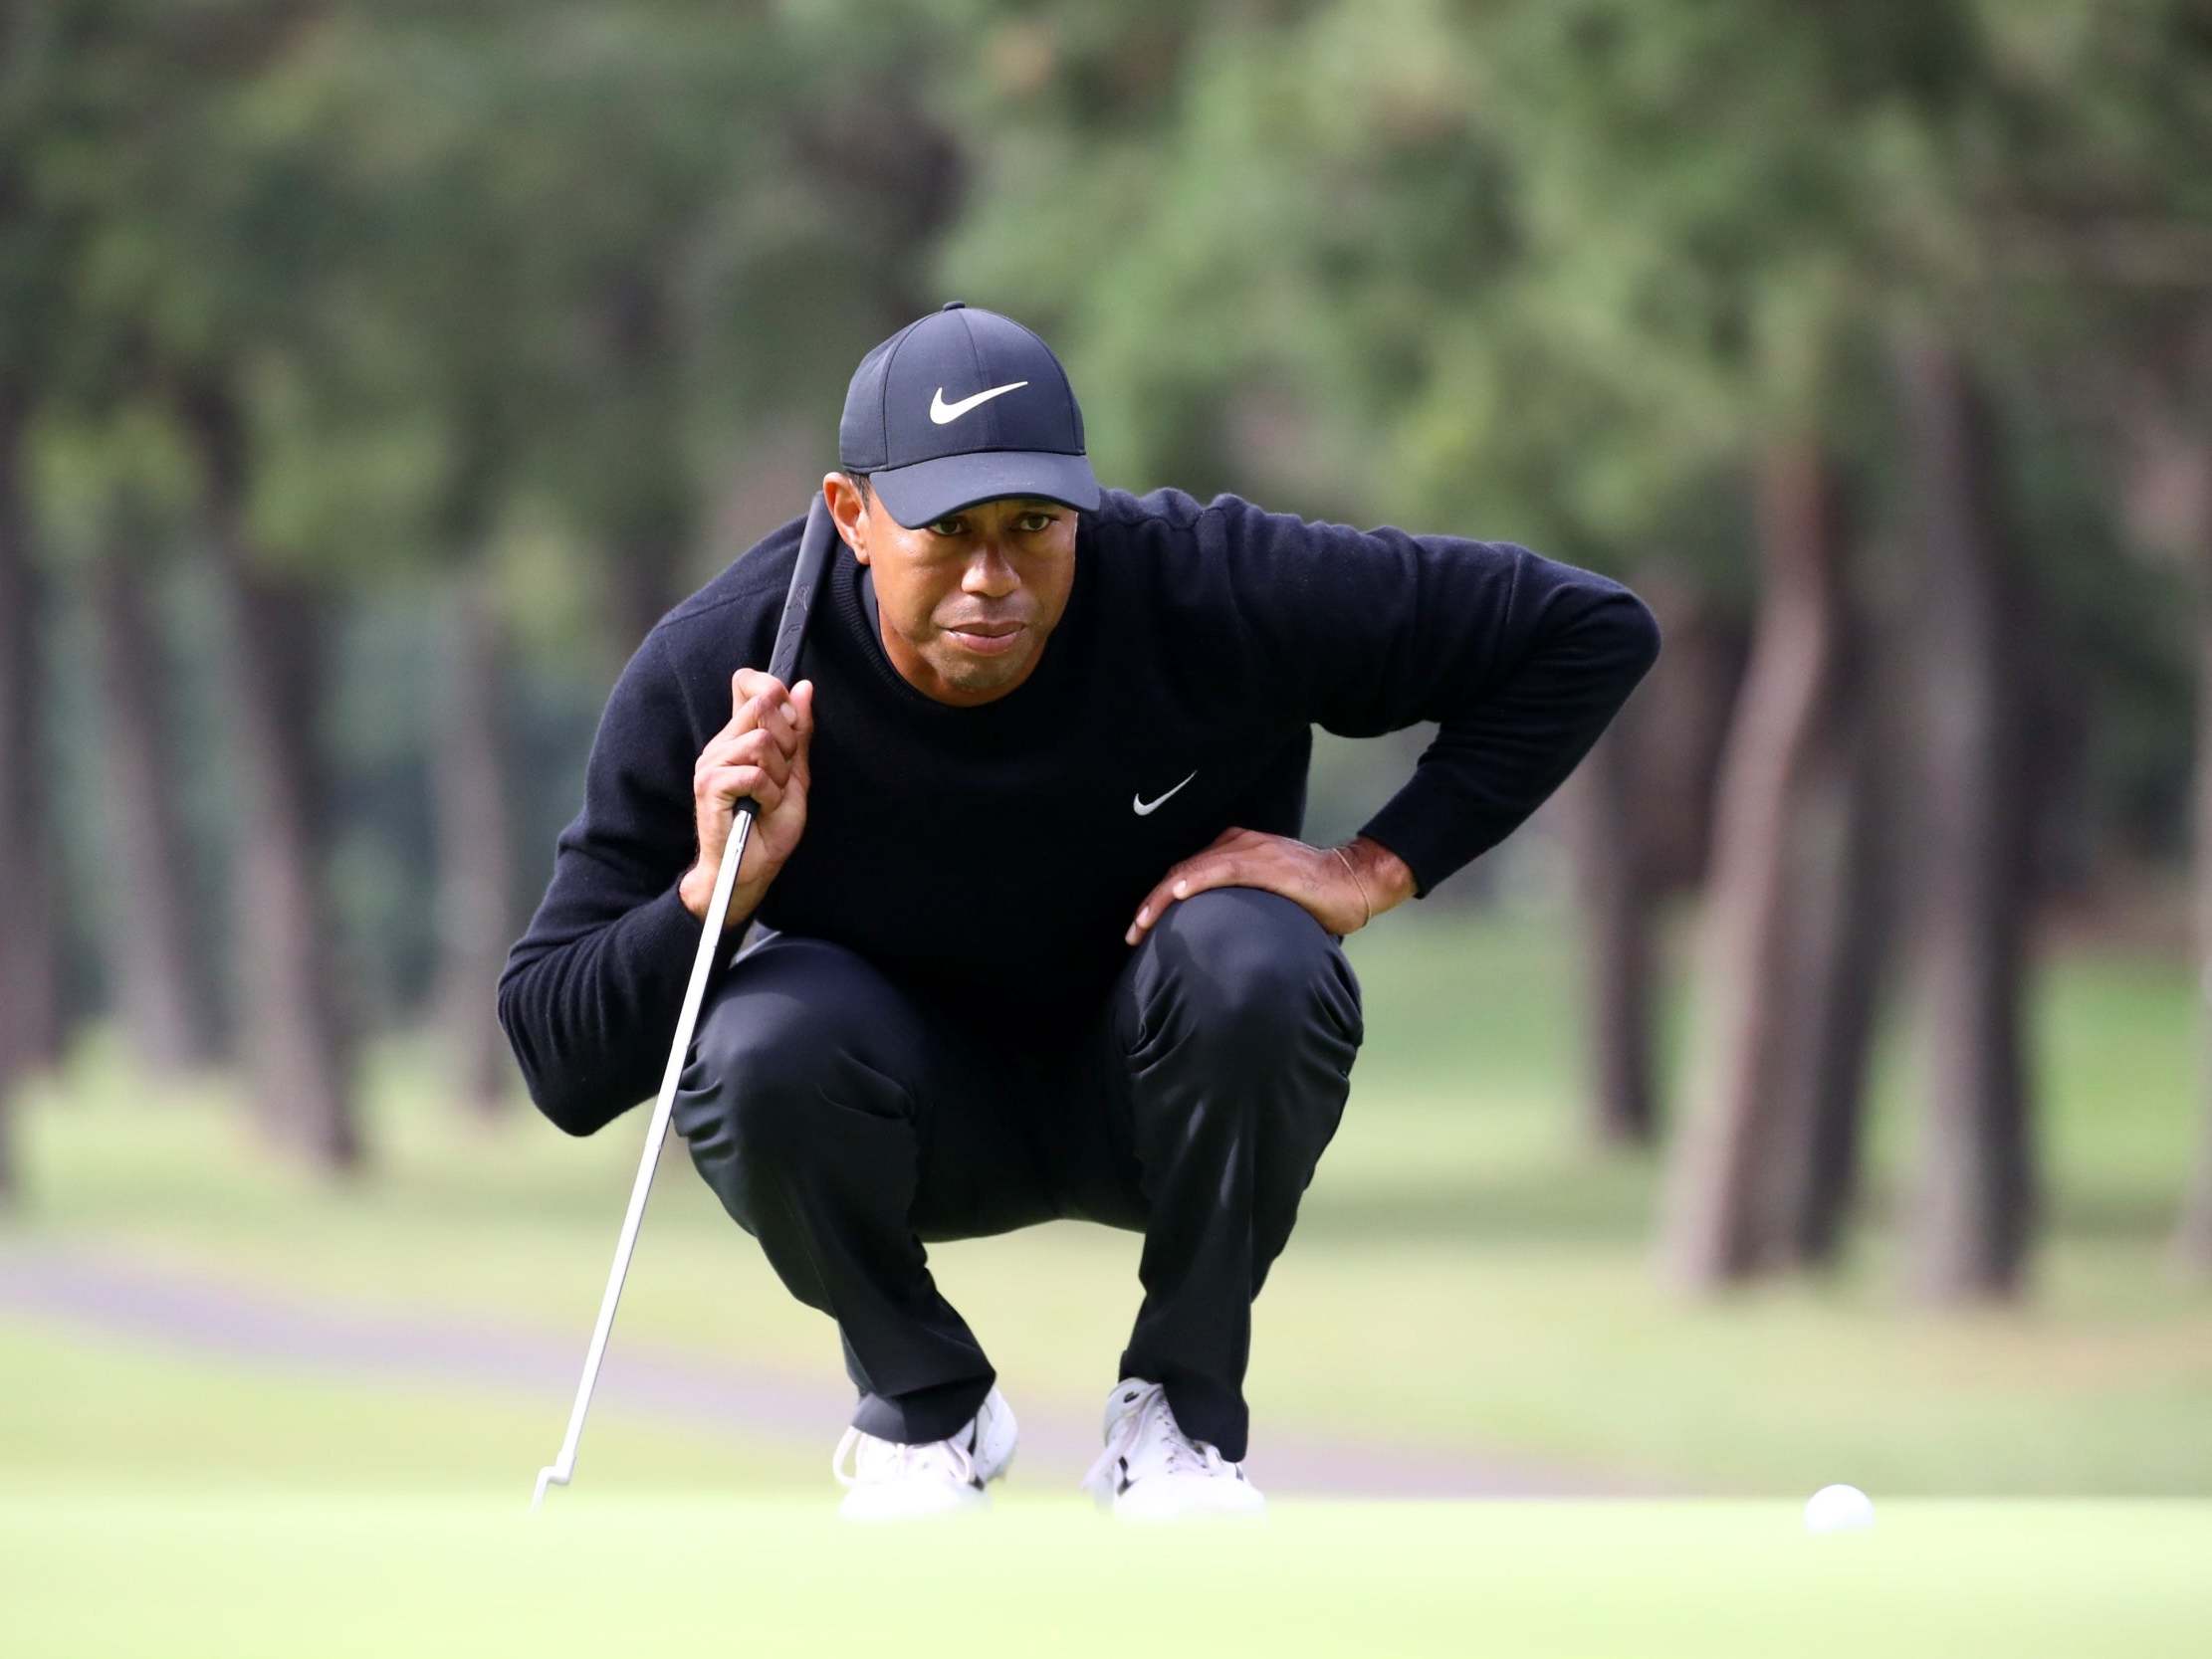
column 1181, row 1453
column 902, row 1459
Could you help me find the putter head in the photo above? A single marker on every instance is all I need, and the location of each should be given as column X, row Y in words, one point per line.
column 550, row 1475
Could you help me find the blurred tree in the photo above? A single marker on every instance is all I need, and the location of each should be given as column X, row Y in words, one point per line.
column 1848, row 903
column 154, row 956
column 447, row 336
column 1698, row 262
column 2165, row 460
column 2092, row 196
column 279, row 633
column 207, row 230
column 2162, row 449
column 1753, row 1016
column 476, row 843
column 115, row 499
column 2193, row 1237
column 35, row 242
column 26, row 949
column 1639, row 810
column 1977, row 1182
column 1617, row 887
column 649, row 162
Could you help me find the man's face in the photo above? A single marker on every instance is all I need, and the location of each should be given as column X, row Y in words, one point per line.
column 967, row 601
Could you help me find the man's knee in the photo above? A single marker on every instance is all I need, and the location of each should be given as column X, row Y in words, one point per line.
column 790, row 1035
column 1253, row 970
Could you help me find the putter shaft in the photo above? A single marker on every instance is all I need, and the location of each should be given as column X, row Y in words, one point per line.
column 559, row 1472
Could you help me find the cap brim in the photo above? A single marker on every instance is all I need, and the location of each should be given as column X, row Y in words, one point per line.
column 927, row 491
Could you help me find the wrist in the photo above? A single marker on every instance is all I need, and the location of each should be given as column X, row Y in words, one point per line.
column 1385, row 877
column 696, row 889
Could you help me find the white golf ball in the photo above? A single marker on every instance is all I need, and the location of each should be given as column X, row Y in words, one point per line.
column 1839, row 1508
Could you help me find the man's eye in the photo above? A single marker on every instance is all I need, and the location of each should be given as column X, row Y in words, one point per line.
column 948, row 527
column 1033, row 522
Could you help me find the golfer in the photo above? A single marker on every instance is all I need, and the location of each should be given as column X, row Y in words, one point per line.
column 1028, row 928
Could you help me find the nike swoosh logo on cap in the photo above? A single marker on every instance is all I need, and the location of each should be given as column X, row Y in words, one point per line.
column 942, row 413
column 1144, row 808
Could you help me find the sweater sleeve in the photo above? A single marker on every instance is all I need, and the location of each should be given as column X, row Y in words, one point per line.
column 1521, row 662
column 589, row 995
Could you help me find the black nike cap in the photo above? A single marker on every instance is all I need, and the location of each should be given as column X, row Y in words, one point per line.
column 962, row 406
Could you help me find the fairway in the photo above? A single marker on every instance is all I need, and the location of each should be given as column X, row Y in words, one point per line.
column 375, row 1574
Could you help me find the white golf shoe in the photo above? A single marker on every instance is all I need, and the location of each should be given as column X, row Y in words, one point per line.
column 1152, row 1471
column 895, row 1481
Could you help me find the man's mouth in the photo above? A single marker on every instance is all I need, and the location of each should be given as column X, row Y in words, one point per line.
column 985, row 638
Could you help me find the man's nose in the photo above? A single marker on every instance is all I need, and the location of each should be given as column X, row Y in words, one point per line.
column 990, row 572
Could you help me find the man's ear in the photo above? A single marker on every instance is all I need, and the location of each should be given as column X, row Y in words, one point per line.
column 848, row 510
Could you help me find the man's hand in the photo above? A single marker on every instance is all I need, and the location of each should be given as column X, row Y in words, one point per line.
column 1343, row 889
column 762, row 753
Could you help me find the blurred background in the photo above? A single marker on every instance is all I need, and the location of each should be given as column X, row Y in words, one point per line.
column 1813, row 1091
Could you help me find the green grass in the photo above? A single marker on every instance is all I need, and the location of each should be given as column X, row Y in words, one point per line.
column 232, row 1577
column 1465, row 1273
column 90, row 1412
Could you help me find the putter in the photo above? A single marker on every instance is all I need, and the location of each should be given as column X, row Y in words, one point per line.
column 814, row 559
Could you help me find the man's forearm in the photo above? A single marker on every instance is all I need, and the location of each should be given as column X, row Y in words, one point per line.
column 587, row 1014
column 1493, row 762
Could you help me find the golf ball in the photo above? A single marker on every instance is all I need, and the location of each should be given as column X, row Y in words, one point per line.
column 1839, row 1508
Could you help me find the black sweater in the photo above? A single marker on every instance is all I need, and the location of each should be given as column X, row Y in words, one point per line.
column 992, row 852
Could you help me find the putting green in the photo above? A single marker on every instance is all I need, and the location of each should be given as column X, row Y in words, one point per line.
column 240, row 1575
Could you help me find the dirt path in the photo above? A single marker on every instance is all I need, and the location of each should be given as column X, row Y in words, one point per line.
column 282, row 1331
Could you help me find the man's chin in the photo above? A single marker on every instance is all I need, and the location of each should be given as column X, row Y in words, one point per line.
column 973, row 671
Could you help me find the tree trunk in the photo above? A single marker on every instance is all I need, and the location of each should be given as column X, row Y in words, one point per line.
column 156, row 966
column 1641, row 809
column 2193, row 1241
column 1846, row 894
column 475, row 845
column 1976, row 1196
column 1681, row 718
column 1615, row 912
column 1747, row 1021
column 293, row 1037
column 27, row 957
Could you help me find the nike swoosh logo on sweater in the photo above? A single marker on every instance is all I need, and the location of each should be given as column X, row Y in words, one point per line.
column 1144, row 808
column 943, row 413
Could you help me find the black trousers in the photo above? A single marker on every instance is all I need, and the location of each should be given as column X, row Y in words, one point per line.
column 845, row 1120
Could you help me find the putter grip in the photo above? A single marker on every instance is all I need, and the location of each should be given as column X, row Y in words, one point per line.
column 790, row 632
column 813, row 553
